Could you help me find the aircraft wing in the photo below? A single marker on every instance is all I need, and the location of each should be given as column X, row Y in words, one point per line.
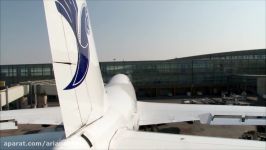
column 125, row 139
column 50, row 115
column 158, row 113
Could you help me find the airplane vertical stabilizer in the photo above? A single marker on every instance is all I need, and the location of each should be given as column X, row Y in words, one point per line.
column 75, row 63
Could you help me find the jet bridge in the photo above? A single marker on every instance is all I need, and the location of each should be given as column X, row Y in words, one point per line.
column 11, row 94
column 35, row 90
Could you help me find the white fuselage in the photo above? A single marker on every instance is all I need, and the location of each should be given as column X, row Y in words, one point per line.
column 120, row 113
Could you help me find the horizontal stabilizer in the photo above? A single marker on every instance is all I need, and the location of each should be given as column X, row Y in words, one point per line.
column 125, row 139
column 49, row 116
column 157, row 113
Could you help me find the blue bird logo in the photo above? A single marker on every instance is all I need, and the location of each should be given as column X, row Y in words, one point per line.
column 69, row 10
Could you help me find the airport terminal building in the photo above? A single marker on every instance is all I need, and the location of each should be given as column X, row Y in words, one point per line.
column 209, row 74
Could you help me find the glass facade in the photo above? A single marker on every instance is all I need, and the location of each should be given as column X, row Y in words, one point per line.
column 208, row 74
column 14, row 74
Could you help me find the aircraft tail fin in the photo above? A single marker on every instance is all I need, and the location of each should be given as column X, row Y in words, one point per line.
column 76, row 67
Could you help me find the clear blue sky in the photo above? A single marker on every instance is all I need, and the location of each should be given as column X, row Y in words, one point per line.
column 140, row 30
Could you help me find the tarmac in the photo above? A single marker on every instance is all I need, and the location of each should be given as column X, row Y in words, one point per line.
column 198, row 129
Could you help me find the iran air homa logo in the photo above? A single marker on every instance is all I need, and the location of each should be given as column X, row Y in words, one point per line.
column 69, row 10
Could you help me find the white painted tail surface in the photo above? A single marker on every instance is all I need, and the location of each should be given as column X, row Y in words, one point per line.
column 76, row 68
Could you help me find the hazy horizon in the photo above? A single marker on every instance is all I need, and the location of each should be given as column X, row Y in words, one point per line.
column 140, row 30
